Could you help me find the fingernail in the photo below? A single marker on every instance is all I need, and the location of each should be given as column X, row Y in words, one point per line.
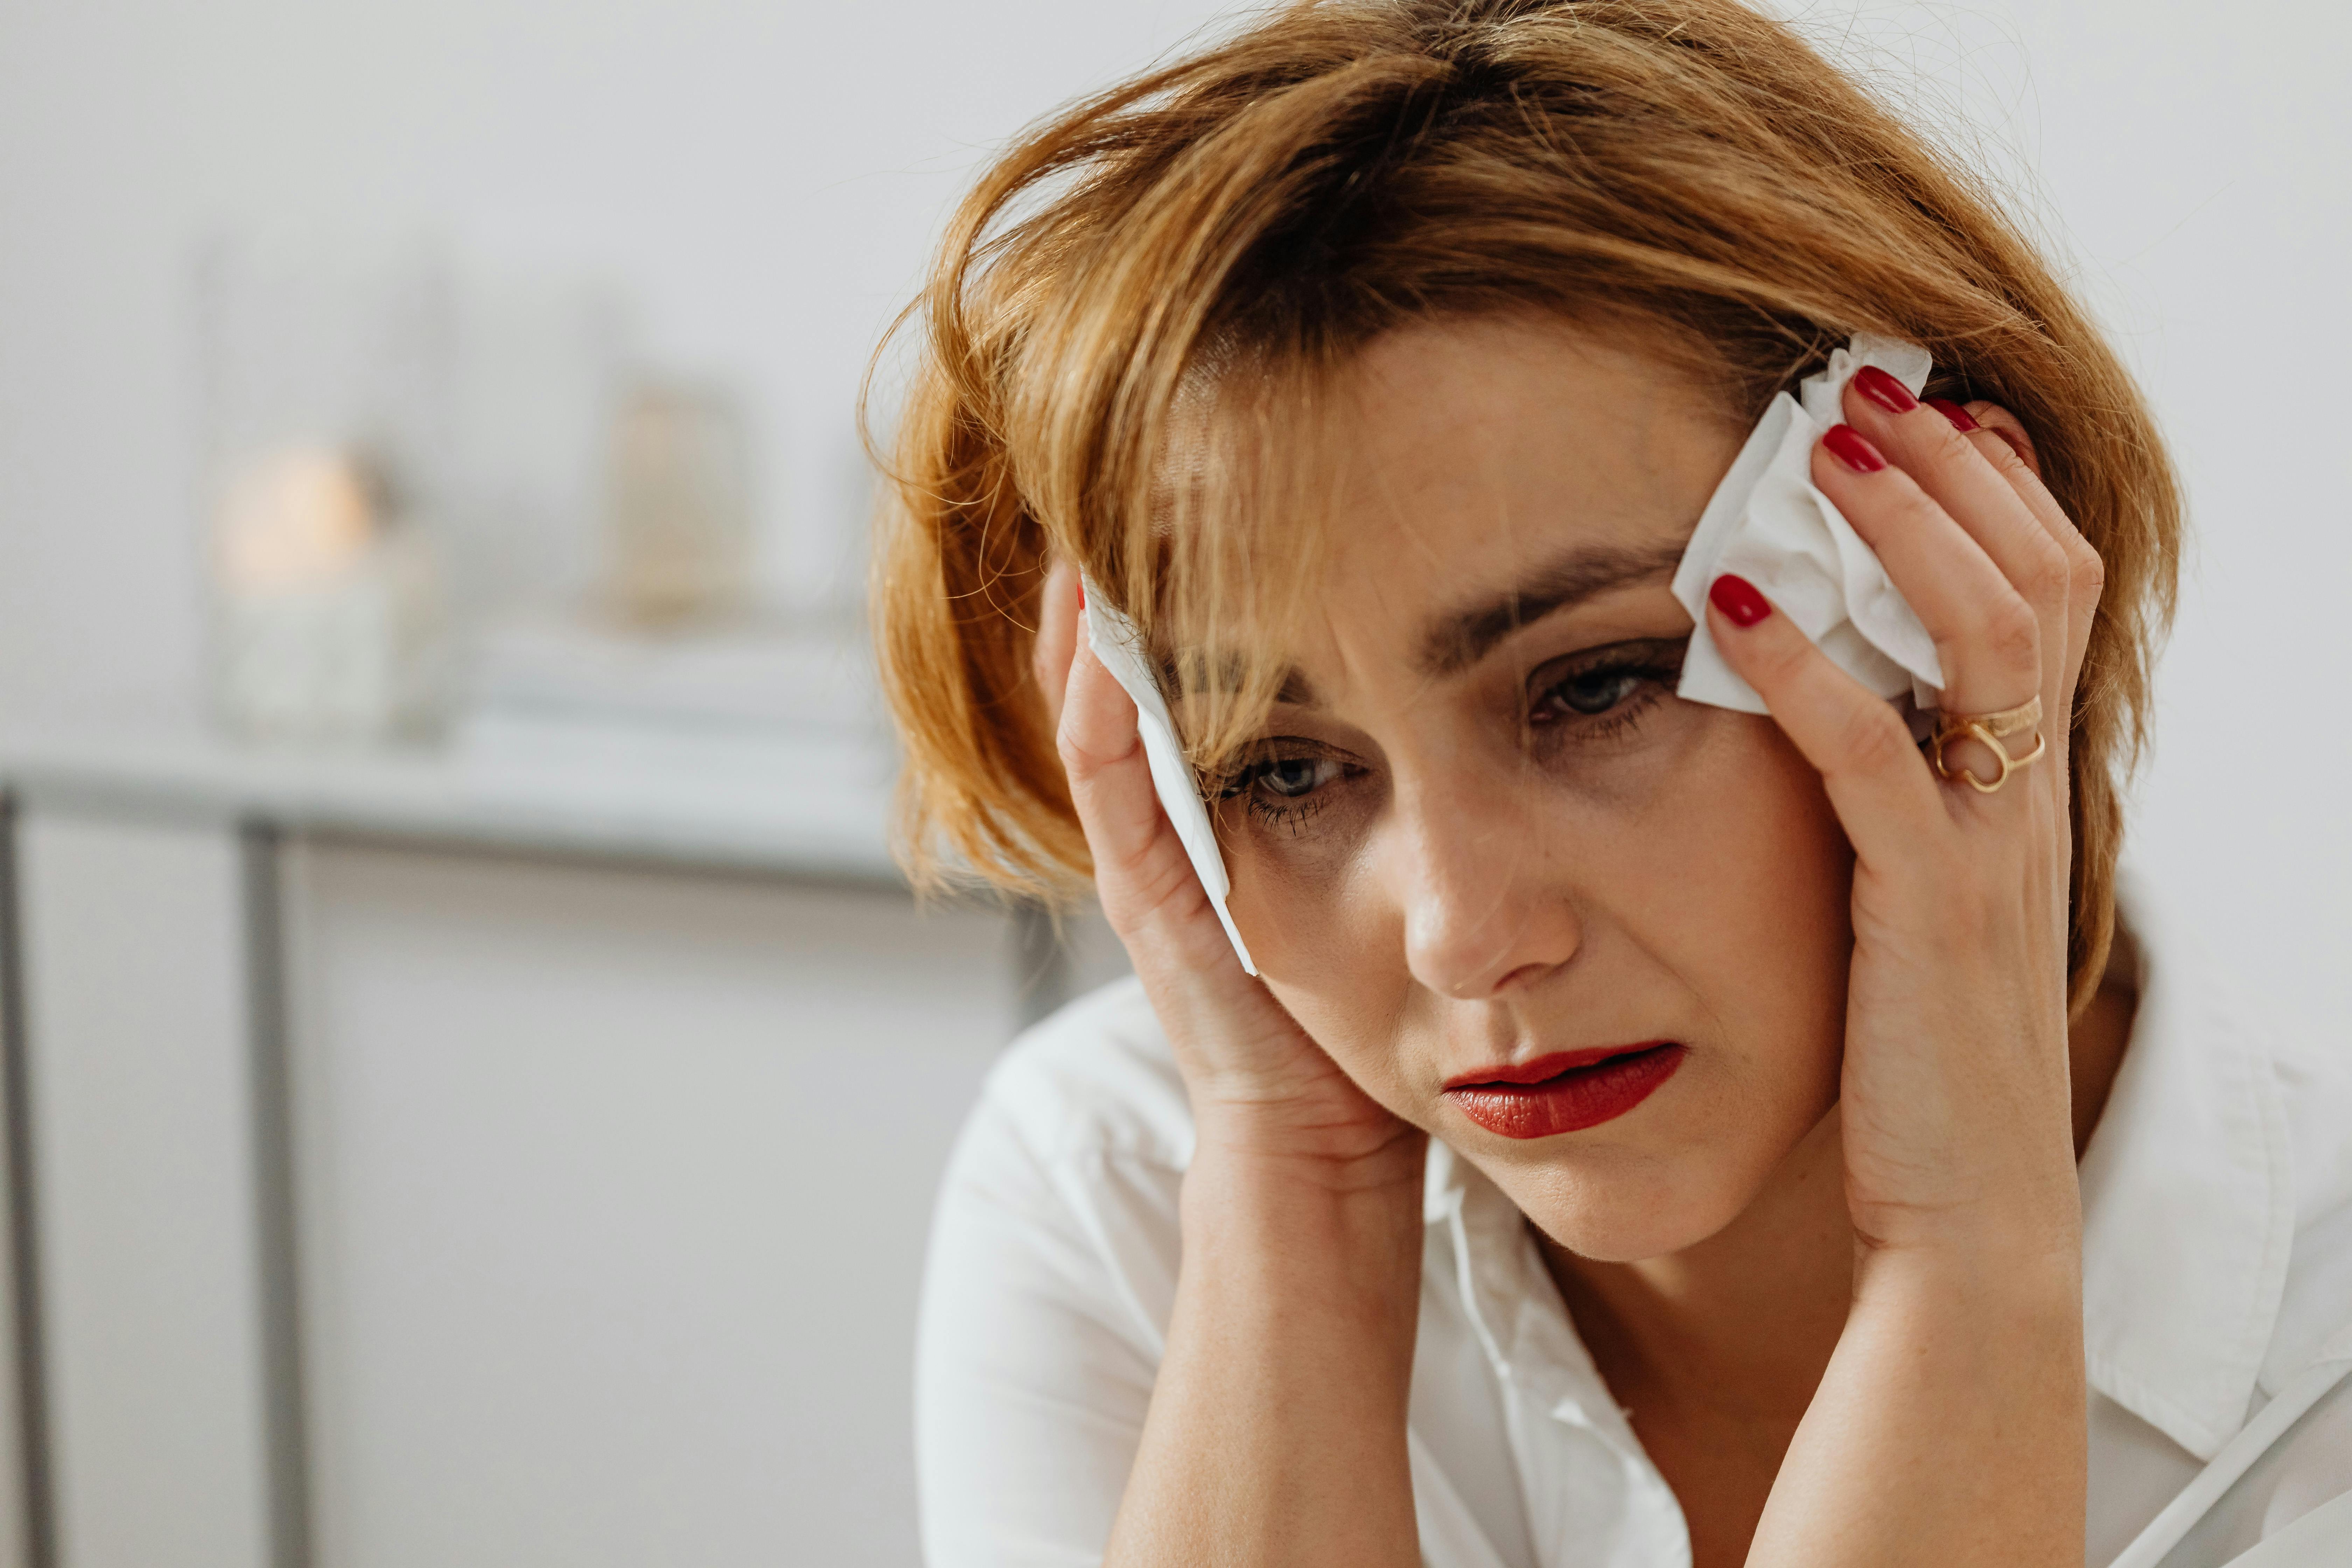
column 1953, row 411
column 1884, row 390
column 1738, row 599
column 1846, row 445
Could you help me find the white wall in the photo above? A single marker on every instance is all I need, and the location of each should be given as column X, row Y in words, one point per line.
column 762, row 175
column 2203, row 161
column 765, row 176
column 2195, row 161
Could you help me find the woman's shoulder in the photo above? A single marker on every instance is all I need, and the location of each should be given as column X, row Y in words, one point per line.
column 1095, row 1081
column 1049, row 1281
column 2217, row 1193
column 1056, row 1240
column 2234, row 1137
column 2313, row 1076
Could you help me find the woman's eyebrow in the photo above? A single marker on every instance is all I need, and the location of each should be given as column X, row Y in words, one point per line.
column 1460, row 638
column 1296, row 690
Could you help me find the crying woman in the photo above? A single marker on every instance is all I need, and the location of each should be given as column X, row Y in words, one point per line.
column 1642, row 584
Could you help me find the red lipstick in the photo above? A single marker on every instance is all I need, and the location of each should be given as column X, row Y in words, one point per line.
column 1565, row 1092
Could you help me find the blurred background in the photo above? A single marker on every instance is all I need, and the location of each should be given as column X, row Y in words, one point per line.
column 476, row 1080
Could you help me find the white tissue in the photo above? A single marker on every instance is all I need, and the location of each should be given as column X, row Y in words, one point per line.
column 1121, row 648
column 1767, row 522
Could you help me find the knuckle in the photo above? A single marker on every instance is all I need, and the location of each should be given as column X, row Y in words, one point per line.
column 2012, row 634
column 1783, row 659
column 2049, row 574
column 1767, row 660
column 2086, row 571
column 1953, row 445
column 2001, row 456
column 1872, row 740
column 1083, row 765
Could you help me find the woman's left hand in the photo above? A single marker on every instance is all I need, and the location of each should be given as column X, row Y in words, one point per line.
column 1949, row 1426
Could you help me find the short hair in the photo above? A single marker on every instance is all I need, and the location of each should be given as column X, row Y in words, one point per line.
column 1248, row 217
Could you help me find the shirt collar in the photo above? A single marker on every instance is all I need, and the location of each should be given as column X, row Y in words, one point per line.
column 2188, row 1218
column 2187, row 1199
column 1513, row 1306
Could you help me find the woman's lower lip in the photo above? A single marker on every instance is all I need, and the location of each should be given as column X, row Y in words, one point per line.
column 1571, row 1100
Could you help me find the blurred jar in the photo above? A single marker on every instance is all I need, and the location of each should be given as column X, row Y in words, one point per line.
column 327, row 609
column 329, row 370
column 680, row 512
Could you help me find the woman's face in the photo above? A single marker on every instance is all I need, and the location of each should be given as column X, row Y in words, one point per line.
column 1482, row 830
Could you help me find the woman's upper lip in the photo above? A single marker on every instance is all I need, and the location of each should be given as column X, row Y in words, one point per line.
column 1539, row 1069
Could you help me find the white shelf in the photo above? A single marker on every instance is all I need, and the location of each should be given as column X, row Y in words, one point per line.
column 814, row 806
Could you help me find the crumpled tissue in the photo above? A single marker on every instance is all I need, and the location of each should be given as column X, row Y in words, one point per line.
column 1120, row 647
column 1767, row 522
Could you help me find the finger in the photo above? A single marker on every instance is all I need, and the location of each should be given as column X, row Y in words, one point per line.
column 1881, row 792
column 2069, row 586
column 1110, row 776
column 1058, row 609
column 1951, row 471
column 2003, row 442
column 1140, row 866
column 1988, row 638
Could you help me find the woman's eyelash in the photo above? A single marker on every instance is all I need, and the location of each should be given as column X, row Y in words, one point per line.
column 1276, row 813
column 1606, row 693
column 1284, row 790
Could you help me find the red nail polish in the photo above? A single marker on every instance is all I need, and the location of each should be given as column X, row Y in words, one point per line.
column 1953, row 411
column 1884, row 390
column 1738, row 599
column 1846, row 445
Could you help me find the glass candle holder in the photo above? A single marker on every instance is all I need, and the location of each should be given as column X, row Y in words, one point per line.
column 327, row 393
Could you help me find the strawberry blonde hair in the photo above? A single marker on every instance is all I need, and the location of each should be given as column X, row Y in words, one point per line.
column 1129, row 335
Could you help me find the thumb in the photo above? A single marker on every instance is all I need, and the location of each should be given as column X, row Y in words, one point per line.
column 1059, row 605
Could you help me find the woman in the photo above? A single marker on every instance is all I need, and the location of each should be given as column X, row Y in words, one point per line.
column 1651, row 1132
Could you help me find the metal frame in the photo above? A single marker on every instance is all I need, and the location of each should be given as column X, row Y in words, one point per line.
column 284, row 1403
column 269, row 1043
column 29, row 1362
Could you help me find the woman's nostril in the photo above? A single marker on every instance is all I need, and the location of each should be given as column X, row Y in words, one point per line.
column 1525, row 975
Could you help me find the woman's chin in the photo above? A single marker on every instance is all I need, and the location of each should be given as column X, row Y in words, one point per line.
column 1627, row 1205
column 1626, row 1217
column 1612, row 1239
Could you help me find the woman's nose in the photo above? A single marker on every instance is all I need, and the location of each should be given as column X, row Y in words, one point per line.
column 1487, row 907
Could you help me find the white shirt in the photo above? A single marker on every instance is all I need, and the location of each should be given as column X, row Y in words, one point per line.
column 2217, row 1266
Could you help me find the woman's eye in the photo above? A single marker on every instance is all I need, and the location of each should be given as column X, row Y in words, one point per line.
column 1291, row 777
column 1287, row 792
column 1595, row 691
column 1601, row 694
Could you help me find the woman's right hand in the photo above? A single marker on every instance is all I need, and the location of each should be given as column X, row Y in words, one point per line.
column 1276, row 1431
column 1256, row 1077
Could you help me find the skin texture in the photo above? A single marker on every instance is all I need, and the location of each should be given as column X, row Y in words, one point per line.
column 1832, row 1264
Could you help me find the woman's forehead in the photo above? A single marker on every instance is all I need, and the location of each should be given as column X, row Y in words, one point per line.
column 1493, row 421
column 1475, row 477
column 1491, row 463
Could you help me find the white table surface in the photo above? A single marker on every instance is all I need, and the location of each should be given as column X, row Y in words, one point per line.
column 815, row 804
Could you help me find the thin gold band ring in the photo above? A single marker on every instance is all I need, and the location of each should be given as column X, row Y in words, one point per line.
column 1991, row 729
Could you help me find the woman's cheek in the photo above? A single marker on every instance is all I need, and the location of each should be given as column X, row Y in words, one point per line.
column 1761, row 927
column 1333, row 956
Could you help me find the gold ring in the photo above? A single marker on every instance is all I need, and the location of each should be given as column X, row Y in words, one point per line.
column 1991, row 729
